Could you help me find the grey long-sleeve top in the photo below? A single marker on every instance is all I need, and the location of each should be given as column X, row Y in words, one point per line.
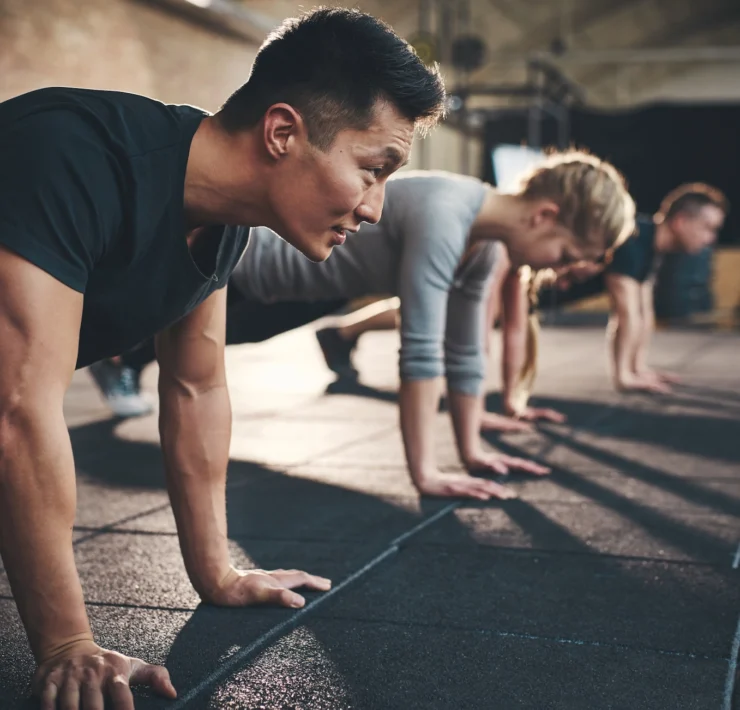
column 414, row 252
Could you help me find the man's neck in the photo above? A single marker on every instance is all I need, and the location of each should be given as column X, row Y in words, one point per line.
column 663, row 239
column 221, row 181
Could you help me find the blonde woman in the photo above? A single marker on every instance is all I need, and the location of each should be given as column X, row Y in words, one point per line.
column 436, row 248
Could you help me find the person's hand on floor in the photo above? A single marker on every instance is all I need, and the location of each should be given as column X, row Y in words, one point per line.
column 504, row 424
column 668, row 378
column 461, row 485
column 541, row 414
column 245, row 588
column 83, row 675
column 643, row 383
column 490, row 462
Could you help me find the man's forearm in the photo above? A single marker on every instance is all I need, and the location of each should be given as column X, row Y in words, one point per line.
column 37, row 510
column 466, row 410
column 418, row 404
column 195, row 428
column 646, row 333
column 624, row 334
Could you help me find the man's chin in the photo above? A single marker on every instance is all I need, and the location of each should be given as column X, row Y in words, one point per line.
column 318, row 253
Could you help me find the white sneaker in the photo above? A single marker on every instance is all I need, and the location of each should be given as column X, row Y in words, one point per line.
column 120, row 388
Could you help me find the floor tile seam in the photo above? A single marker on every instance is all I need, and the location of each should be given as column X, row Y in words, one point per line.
column 123, row 605
column 110, row 526
column 284, row 627
column 520, row 634
column 731, row 677
column 571, row 553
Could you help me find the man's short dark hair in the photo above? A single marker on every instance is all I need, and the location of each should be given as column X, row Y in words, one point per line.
column 333, row 65
column 690, row 198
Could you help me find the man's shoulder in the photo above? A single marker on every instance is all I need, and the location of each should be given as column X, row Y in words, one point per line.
column 130, row 122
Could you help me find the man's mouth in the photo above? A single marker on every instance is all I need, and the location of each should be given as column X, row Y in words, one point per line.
column 341, row 234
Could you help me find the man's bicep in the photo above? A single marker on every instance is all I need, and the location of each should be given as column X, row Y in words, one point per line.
column 192, row 350
column 39, row 331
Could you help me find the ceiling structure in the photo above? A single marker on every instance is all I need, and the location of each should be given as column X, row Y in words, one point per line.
column 618, row 52
column 615, row 52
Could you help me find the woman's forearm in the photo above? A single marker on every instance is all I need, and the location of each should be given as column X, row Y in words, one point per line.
column 466, row 411
column 418, row 403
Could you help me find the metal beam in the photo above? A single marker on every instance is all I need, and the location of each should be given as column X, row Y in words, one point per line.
column 638, row 55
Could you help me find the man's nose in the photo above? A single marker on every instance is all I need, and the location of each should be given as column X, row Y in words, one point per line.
column 371, row 208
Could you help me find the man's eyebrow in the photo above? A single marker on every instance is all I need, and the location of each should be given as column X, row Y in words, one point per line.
column 392, row 155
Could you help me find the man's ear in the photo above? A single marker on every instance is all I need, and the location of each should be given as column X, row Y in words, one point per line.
column 282, row 125
column 544, row 211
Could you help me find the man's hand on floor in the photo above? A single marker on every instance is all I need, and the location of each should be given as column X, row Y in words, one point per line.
column 245, row 588
column 643, row 383
column 83, row 675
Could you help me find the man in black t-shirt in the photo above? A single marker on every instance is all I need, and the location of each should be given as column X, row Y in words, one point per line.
column 688, row 221
column 118, row 221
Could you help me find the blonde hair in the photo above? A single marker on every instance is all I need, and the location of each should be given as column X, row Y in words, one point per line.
column 522, row 390
column 591, row 194
column 595, row 205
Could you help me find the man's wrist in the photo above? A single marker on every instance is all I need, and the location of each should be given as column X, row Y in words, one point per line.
column 52, row 649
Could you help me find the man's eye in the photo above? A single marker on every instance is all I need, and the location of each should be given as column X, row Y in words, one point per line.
column 375, row 172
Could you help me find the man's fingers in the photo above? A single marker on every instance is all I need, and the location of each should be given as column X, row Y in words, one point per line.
column 552, row 415
column 69, row 695
column 284, row 597
column 91, row 694
column 659, row 388
column 516, row 425
column 121, row 697
column 293, row 578
column 156, row 677
column 270, row 591
column 49, row 695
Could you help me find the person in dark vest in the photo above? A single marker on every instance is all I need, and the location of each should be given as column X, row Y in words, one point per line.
column 118, row 222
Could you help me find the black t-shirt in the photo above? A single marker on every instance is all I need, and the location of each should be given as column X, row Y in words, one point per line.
column 637, row 257
column 92, row 192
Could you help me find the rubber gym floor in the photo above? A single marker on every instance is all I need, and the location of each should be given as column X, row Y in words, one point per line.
column 611, row 584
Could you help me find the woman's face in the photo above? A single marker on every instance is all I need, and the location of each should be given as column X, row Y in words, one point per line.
column 545, row 243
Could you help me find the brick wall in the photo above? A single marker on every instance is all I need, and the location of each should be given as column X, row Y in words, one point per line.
column 116, row 44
